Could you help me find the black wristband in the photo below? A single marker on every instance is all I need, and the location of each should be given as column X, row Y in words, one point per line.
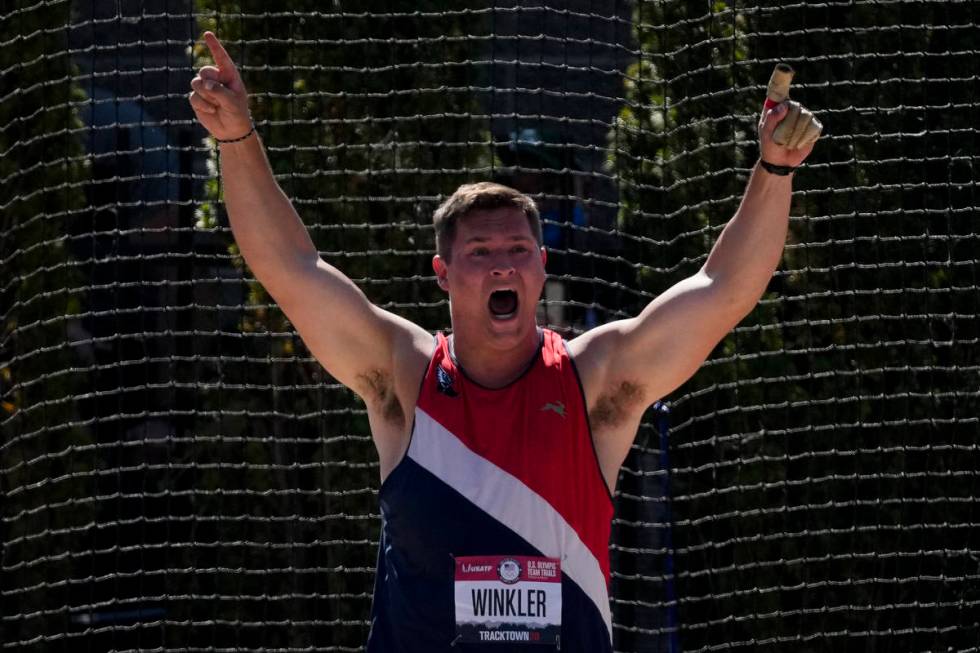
column 240, row 138
column 782, row 171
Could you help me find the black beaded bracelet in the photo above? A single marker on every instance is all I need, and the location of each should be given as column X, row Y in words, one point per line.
column 240, row 138
column 782, row 171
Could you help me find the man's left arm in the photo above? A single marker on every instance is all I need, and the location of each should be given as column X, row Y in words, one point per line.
column 629, row 364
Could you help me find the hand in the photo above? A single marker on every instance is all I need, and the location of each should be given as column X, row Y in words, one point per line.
column 784, row 155
column 219, row 98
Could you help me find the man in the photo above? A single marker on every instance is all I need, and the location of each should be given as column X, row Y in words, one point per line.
column 497, row 471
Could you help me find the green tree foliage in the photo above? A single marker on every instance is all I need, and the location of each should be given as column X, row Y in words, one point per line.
column 822, row 474
column 44, row 452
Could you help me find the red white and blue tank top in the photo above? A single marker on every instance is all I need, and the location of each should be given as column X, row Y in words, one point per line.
column 496, row 484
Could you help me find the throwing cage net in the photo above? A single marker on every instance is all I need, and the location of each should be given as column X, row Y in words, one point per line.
column 179, row 474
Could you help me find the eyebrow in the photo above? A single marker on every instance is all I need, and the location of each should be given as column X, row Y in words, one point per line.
column 485, row 239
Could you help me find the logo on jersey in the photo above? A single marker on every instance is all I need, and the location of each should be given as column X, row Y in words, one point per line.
column 557, row 407
column 445, row 382
column 509, row 570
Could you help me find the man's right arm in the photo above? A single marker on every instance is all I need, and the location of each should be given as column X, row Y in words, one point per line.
column 353, row 339
column 368, row 349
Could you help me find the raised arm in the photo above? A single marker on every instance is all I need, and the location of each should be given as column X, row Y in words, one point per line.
column 362, row 346
column 629, row 364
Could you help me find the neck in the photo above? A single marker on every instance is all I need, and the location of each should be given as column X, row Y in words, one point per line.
column 491, row 367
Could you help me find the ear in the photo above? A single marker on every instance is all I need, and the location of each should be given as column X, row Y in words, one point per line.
column 544, row 256
column 442, row 272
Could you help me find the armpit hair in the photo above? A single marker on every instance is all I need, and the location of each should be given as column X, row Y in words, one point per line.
column 377, row 388
column 613, row 407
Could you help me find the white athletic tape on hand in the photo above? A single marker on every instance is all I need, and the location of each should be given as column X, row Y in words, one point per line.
column 799, row 128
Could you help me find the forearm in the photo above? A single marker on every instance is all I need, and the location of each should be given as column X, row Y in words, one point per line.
column 270, row 234
column 751, row 244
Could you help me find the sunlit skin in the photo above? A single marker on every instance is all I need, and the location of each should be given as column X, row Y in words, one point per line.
column 493, row 250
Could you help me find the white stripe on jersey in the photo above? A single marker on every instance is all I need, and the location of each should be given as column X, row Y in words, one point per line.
column 509, row 501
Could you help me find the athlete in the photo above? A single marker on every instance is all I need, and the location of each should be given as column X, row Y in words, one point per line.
column 498, row 468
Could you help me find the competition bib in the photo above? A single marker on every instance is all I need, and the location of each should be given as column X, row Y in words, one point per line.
column 508, row 599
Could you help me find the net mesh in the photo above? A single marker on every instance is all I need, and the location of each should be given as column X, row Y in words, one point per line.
column 179, row 474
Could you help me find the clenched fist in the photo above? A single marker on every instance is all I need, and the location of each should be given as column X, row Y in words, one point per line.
column 787, row 129
column 219, row 98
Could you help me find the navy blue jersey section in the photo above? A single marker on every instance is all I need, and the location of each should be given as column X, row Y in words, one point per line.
column 425, row 524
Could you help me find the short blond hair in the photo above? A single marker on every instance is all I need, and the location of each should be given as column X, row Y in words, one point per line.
column 481, row 196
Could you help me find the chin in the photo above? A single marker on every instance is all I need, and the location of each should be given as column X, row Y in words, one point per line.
column 512, row 331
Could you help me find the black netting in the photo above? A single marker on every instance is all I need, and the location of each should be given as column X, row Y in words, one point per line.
column 179, row 474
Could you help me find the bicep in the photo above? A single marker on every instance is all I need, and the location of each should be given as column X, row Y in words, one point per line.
column 667, row 342
column 353, row 339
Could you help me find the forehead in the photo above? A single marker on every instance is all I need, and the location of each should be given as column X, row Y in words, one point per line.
column 508, row 222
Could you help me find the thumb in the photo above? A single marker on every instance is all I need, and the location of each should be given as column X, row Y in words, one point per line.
column 772, row 117
column 217, row 93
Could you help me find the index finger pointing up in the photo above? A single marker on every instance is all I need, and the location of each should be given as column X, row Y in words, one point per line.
column 220, row 56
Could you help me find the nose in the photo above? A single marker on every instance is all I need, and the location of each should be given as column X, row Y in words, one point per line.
column 502, row 266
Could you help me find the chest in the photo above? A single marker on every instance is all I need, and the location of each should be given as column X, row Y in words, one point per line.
column 534, row 430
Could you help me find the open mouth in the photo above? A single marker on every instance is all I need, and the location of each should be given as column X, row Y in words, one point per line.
column 503, row 304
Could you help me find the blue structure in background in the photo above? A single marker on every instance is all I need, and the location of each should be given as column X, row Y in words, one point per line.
column 662, row 422
column 644, row 590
